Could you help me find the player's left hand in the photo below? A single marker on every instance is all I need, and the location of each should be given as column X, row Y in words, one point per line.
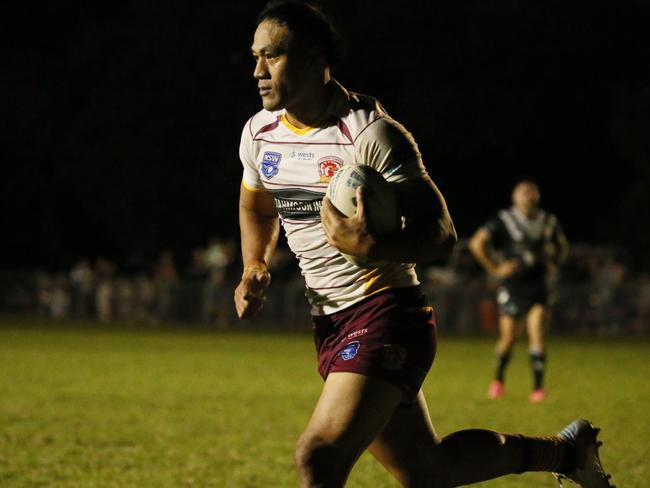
column 349, row 235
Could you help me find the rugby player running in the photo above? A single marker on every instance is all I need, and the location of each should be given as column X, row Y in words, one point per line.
column 374, row 333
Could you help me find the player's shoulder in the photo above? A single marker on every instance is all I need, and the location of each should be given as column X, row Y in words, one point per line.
column 357, row 111
column 369, row 122
column 503, row 213
column 496, row 221
column 261, row 122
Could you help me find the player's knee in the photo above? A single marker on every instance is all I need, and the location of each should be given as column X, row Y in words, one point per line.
column 509, row 338
column 318, row 462
column 505, row 344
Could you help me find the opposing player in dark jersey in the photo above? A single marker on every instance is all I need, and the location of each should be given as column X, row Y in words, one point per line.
column 521, row 246
column 375, row 344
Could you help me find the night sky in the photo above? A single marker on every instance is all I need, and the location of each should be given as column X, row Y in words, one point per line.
column 121, row 121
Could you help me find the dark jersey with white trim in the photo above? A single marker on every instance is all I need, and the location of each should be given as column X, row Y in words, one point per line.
column 514, row 236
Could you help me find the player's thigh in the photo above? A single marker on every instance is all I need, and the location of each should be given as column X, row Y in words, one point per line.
column 508, row 327
column 536, row 324
column 350, row 412
column 407, row 447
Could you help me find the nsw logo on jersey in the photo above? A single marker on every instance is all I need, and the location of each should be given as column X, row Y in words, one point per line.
column 350, row 351
column 270, row 164
column 327, row 166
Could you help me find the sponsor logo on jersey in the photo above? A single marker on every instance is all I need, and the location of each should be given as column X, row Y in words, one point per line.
column 350, row 351
column 327, row 166
column 296, row 208
column 302, row 156
column 298, row 203
column 270, row 163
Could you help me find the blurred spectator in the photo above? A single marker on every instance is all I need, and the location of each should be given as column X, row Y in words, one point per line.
column 596, row 292
column 60, row 298
column 104, row 293
column 641, row 324
column 198, row 269
column 145, row 301
column 43, row 287
column 219, row 255
column 82, row 281
column 125, row 299
column 165, row 277
column 52, row 295
column 289, row 289
column 192, row 289
column 612, row 297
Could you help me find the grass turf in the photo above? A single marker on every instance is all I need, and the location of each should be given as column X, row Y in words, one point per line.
column 112, row 406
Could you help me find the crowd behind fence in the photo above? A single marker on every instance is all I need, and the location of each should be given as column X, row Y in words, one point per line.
column 595, row 292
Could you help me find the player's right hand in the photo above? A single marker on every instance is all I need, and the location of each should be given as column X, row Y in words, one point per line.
column 249, row 294
column 507, row 268
column 349, row 235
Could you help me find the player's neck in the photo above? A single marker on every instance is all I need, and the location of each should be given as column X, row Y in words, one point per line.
column 528, row 212
column 312, row 110
column 302, row 117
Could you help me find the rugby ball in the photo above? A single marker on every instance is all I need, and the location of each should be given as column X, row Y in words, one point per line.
column 382, row 209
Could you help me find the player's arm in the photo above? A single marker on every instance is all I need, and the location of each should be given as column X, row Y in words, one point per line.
column 562, row 247
column 259, row 226
column 428, row 232
column 559, row 250
column 479, row 246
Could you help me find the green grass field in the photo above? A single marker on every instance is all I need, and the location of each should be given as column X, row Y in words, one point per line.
column 112, row 406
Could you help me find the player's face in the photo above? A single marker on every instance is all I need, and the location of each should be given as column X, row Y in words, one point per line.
column 279, row 66
column 526, row 196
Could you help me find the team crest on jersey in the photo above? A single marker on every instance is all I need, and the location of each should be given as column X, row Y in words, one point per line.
column 350, row 351
column 327, row 166
column 270, row 164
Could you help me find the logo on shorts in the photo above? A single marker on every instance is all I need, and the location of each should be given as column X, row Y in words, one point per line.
column 503, row 296
column 357, row 333
column 393, row 357
column 349, row 351
column 327, row 166
column 270, row 163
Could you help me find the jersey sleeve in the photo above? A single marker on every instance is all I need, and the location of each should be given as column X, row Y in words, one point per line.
column 251, row 177
column 556, row 232
column 494, row 227
column 389, row 148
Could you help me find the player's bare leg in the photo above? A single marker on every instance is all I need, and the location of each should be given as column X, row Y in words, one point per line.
column 536, row 326
column 508, row 332
column 410, row 449
column 351, row 411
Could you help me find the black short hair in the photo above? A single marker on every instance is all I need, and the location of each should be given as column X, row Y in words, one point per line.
column 308, row 22
column 525, row 179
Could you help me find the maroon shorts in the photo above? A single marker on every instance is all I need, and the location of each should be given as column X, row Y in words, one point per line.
column 391, row 336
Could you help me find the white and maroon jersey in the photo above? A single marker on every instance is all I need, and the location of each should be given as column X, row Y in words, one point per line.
column 295, row 166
